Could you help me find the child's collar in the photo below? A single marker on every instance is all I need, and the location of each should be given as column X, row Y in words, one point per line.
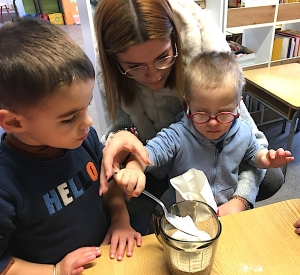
column 38, row 152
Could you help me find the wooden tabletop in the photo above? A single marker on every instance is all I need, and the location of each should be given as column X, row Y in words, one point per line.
column 282, row 82
column 258, row 241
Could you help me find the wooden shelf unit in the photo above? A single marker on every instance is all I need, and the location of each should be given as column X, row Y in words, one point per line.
column 237, row 17
column 288, row 11
column 257, row 25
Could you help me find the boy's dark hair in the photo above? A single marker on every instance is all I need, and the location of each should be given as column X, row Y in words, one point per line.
column 36, row 59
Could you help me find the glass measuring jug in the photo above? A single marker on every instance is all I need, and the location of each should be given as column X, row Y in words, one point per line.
column 186, row 255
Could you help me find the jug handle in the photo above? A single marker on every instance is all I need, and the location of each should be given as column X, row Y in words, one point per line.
column 156, row 215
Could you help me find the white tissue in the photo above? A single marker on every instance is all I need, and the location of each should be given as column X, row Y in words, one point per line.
column 188, row 226
column 193, row 185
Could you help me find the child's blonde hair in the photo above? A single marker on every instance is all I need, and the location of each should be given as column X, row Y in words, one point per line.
column 210, row 70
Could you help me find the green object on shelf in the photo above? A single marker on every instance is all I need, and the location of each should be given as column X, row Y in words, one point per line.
column 48, row 6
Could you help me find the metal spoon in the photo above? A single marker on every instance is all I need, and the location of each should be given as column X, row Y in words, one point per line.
column 176, row 221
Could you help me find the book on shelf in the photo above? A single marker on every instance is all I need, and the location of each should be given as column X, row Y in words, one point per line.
column 291, row 47
column 288, row 1
column 294, row 50
column 280, row 47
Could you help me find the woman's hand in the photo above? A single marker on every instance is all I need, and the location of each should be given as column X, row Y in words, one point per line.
column 231, row 207
column 73, row 263
column 118, row 236
column 114, row 155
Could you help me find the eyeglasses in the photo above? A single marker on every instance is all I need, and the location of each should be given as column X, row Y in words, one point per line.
column 161, row 64
column 222, row 117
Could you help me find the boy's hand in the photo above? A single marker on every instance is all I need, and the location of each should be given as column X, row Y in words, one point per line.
column 118, row 236
column 132, row 181
column 73, row 262
column 277, row 158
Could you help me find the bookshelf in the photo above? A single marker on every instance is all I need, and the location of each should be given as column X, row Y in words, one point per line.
column 257, row 23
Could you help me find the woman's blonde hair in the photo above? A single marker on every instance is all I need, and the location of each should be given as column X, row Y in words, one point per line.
column 120, row 24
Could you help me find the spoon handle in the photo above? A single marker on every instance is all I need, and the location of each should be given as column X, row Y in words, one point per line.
column 156, row 199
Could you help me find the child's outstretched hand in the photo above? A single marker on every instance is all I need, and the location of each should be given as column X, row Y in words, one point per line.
column 131, row 180
column 277, row 158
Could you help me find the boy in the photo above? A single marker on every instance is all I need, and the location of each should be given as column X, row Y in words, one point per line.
column 210, row 136
column 52, row 219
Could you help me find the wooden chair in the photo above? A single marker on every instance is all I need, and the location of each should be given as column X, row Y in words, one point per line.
column 4, row 5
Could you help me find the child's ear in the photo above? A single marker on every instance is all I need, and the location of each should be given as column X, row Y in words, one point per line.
column 11, row 121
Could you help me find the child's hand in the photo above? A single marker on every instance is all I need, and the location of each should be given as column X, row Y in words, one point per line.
column 277, row 158
column 119, row 234
column 73, row 262
column 115, row 151
column 132, row 181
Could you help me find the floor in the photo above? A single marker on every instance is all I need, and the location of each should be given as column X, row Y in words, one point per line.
column 291, row 187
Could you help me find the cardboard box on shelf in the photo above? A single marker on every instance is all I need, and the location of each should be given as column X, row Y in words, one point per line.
column 56, row 18
column 70, row 10
column 244, row 55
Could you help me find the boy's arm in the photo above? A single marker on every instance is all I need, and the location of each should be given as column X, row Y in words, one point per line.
column 272, row 159
column 120, row 232
column 18, row 266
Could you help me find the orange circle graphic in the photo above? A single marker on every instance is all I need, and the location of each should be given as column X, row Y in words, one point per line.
column 92, row 171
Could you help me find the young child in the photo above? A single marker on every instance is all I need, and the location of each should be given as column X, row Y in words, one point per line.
column 52, row 219
column 209, row 137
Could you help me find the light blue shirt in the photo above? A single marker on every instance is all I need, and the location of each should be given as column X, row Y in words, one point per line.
column 1, row 132
column 182, row 147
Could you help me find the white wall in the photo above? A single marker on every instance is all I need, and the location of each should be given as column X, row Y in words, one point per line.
column 19, row 5
column 87, row 28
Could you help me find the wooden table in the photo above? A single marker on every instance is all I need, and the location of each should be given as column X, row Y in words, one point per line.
column 258, row 241
column 277, row 87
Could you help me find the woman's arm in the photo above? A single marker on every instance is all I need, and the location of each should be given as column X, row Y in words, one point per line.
column 250, row 177
column 245, row 116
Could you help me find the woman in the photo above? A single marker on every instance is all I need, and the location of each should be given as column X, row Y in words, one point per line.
column 143, row 47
